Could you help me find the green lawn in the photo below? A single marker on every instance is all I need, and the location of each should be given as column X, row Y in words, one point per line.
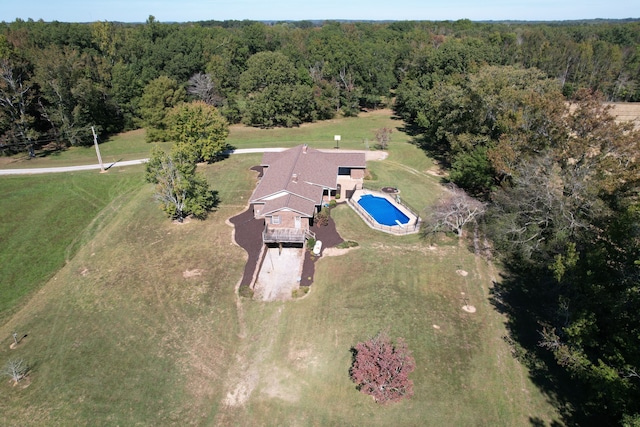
column 125, row 146
column 142, row 325
column 45, row 220
column 356, row 133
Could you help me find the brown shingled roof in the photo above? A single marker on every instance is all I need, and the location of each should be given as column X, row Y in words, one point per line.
column 302, row 172
column 292, row 202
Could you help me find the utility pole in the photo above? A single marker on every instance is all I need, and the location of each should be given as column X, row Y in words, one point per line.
column 95, row 142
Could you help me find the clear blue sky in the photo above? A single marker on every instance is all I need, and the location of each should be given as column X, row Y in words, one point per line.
column 199, row 10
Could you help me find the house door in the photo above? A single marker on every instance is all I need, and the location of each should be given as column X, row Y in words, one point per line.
column 297, row 222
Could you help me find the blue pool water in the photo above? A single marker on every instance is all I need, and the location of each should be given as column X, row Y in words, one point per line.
column 382, row 210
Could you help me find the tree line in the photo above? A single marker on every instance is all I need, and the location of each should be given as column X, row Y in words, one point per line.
column 59, row 79
column 557, row 182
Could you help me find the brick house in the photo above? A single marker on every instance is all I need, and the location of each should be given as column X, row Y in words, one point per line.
column 294, row 185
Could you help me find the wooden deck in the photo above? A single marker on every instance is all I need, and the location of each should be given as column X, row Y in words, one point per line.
column 285, row 235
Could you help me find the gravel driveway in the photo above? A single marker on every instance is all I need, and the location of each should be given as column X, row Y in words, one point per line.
column 279, row 275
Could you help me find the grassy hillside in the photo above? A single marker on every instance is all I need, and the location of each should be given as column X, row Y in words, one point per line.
column 45, row 220
column 142, row 325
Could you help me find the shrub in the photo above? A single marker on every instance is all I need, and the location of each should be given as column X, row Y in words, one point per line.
column 381, row 368
column 311, row 243
column 300, row 292
column 383, row 137
column 322, row 217
column 245, row 292
column 333, row 203
column 347, row 244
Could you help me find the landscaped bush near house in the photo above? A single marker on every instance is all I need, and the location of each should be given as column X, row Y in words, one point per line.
column 322, row 217
column 300, row 292
column 311, row 243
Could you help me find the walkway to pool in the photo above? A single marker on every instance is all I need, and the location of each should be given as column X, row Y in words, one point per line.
column 412, row 227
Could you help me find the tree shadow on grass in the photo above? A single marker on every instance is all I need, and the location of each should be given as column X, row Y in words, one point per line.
column 225, row 153
column 527, row 299
column 429, row 145
column 39, row 151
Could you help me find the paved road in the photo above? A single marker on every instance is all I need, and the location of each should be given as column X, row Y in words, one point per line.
column 69, row 168
column 370, row 155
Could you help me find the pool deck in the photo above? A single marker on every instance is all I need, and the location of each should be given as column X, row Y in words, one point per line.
column 411, row 227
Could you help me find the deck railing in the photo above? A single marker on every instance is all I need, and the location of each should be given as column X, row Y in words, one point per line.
column 286, row 235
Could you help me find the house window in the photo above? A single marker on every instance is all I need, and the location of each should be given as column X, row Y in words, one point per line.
column 275, row 219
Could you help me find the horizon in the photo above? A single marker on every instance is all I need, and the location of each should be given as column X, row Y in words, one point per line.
column 321, row 20
column 138, row 11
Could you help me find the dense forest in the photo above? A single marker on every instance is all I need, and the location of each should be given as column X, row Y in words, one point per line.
column 514, row 111
column 59, row 79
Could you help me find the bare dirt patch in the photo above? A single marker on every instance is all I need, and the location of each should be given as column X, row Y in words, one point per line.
column 187, row 274
column 469, row 308
column 436, row 172
column 23, row 383
column 376, row 155
column 336, row 251
column 302, row 359
column 20, row 340
column 248, row 371
column 419, row 247
column 281, row 384
column 184, row 221
column 242, row 389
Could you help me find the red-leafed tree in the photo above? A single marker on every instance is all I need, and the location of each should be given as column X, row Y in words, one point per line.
column 381, row 368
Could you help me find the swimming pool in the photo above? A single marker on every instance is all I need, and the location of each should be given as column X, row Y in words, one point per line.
column 383, row 211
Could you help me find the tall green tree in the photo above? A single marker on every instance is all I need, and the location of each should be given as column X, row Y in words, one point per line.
column 159, row 96
column 275, row 93
column 464, row 120
column 199, row 130
column 74, row 95
column 16, row 102
column 266, row 69
column 180, row 190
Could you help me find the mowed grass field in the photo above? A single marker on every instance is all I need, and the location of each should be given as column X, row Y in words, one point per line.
column 45, row 221
column 142, row 326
